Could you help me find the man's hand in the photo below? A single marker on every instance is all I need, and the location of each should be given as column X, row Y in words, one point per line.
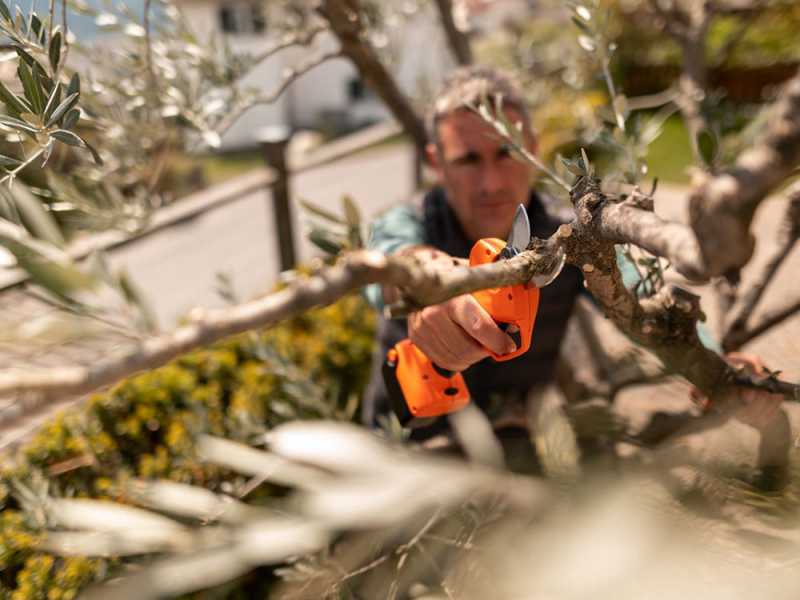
column 455, row 333
column 754, row 407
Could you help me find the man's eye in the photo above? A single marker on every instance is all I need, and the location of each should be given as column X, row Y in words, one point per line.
column 504, row 151
column 467, row 159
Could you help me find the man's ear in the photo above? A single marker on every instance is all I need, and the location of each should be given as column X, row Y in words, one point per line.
column 432, row 155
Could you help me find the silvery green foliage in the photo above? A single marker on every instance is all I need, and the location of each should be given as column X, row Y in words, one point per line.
column 158, row 89
column 408, row 523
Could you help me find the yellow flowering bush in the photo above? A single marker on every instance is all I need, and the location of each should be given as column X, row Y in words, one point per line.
column 144, row 427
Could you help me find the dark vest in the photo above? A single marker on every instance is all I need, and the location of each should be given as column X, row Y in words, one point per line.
column 513, row 378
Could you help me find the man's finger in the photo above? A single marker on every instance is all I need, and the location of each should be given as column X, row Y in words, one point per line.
column 443, row 341
column 469, row 314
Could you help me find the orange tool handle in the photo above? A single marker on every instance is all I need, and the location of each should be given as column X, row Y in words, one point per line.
column 513, row 308
column 419, row 391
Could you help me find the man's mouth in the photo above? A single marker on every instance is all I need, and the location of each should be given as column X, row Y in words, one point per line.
column 492, row 204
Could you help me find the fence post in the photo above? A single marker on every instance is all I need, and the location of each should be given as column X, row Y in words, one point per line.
column 273, row 142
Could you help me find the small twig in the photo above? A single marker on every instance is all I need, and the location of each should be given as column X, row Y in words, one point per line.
column 418, row 536
column 670, row 23
column 767, row 322
column 368, row 567
column 288, row 78
column 612, row 92
column 52, row 12
column 522, row 151
column 450, row 542
column 148, row 47
column 304, row 38
column 84, row 312
column 723, row 54
column 65, row 39
column 10, row 175
column 653, row 100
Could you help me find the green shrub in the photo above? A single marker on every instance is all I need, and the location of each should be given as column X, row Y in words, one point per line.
column 144, row 427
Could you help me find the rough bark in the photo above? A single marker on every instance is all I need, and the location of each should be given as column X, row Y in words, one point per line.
column 666, row 323
column 456, row 39
column 722, row 206
column 788, row 235
column 423, row 285
column 344, row 18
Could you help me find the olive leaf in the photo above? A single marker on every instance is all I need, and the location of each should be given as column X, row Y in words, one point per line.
column 51, row 269
column 35, row 217
column 66, row 105
column 353, row 217
column 326, row 240
column 54, row 51
column 321, row 212
column 30, row 88
column 14, row 105
column 135, row 298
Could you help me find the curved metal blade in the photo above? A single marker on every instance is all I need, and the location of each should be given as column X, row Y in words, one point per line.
column 544, row 279
column 520, row 235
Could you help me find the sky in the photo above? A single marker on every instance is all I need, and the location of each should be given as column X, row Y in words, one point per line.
column 82, row 26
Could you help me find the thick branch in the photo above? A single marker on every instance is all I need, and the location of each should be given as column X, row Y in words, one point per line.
column 666, row 322
column 457, row 39
column 205, row 327
column 722, row 206
column 622, row 223
column 787, row 236
column 345, row 22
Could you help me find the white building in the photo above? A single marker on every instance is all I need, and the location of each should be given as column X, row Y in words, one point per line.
column 331, row 97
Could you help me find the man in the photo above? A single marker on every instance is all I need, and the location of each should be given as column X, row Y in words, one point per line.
column 480, row 186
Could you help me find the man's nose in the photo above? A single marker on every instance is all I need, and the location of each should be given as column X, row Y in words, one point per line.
column 493, row 180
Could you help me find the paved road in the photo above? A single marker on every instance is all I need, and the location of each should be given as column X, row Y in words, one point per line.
column 178, row 265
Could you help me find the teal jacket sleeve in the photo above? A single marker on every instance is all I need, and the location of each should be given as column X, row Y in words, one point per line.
column 396, row 229
column 630, row 277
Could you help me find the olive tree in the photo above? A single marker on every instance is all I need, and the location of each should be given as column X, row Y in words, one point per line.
column 343, row 479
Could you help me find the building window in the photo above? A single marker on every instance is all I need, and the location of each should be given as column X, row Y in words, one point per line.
column 242, row 17
column 357, row 90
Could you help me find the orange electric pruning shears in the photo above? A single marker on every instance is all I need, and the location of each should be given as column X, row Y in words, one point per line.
column 418, row 389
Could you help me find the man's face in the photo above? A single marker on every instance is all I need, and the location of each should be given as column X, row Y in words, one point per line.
column 483, row 181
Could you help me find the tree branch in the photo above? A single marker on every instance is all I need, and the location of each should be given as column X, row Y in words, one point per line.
column 327, row 286
column 303, row 38
column 456, row 39
column 725, row 51
column 665, row 322
column 787, row 236
column 738, row 338
column 722, row 206
column 623, row 223
column 288, row 78
column 653, row 100
column 345, row 22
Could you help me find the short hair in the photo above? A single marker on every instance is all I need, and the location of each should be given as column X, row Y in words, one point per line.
column 469, row 86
